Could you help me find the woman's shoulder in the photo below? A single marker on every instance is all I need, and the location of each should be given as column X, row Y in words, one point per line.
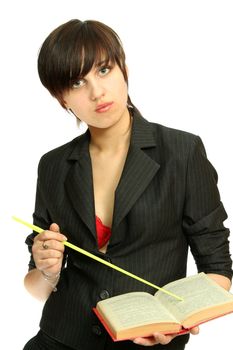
column 164, row 134
column 170, row 133
column 181, row 143
column 161, row 130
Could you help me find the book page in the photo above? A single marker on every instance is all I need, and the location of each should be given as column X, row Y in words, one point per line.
column 133, row 310
column 199, row 292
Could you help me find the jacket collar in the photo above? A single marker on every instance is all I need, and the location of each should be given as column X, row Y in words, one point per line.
column 139, row 170
column 142, row 133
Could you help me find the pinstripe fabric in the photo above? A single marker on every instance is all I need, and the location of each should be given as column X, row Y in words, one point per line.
column 167, row 200
column 43, row 342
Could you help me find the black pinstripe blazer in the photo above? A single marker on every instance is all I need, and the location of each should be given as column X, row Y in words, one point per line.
column 167, row 200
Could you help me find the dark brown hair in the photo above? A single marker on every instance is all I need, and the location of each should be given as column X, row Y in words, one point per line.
column 72, row 49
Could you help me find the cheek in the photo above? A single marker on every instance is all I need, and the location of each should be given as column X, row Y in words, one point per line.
column 121, row 89
column 81, row 107
column 124, row 92
column 73, row 101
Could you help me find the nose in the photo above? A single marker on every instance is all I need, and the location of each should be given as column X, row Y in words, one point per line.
column 96, row 90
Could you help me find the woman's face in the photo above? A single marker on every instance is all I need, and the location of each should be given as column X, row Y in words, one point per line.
column 100, row 98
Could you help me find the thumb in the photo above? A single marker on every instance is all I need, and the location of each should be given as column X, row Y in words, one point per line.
column 194, row 330
column 54, row 227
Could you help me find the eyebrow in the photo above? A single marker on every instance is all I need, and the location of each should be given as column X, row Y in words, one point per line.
column 100, row 63
column 97, row 65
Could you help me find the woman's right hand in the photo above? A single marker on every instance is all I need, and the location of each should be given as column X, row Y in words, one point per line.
column 48, row 250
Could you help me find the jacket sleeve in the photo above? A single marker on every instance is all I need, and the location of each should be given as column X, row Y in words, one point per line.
column 204, row 215
column 40, row 218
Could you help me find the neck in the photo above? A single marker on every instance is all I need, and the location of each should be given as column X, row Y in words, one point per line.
column 114, row 138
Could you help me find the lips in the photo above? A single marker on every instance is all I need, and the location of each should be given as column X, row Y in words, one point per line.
column 104, row 107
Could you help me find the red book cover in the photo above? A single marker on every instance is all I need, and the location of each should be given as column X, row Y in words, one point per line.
column 182, row 331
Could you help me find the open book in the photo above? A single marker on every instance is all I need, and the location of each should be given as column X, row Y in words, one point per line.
column 138, row 314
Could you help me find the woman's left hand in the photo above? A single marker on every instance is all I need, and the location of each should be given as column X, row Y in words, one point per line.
column 158, row 338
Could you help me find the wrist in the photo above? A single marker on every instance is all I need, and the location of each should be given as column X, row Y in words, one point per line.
column 51, row 279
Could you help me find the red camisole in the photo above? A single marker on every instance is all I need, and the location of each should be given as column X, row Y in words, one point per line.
column 103, row 232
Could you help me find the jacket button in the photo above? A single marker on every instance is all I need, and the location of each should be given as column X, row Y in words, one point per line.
column 104, row 294
column 96, row 330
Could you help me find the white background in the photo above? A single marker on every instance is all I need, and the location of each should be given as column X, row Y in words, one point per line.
column 180, row 59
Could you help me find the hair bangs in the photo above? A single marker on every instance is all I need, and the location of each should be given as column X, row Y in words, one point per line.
column 93, row 48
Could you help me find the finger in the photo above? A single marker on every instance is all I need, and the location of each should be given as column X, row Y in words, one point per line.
column 54, row 248
column 163, row 339
column 45, row 248
column 54, row 227
column 157, row 338
column 51, row 244
column 50, row 253
column 145, row 341
column 194, row 330
column 48, row 235
column 47, row 261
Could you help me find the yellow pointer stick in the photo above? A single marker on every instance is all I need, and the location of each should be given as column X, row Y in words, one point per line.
column 92, row 256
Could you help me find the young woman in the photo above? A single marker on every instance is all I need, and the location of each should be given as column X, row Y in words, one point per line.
column 135, row 193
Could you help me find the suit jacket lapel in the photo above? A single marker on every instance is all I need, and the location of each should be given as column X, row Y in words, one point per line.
column 79, row 183
column 138, row 171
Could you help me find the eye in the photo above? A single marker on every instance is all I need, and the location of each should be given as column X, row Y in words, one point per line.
column 104, row 70
column 78, row 83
